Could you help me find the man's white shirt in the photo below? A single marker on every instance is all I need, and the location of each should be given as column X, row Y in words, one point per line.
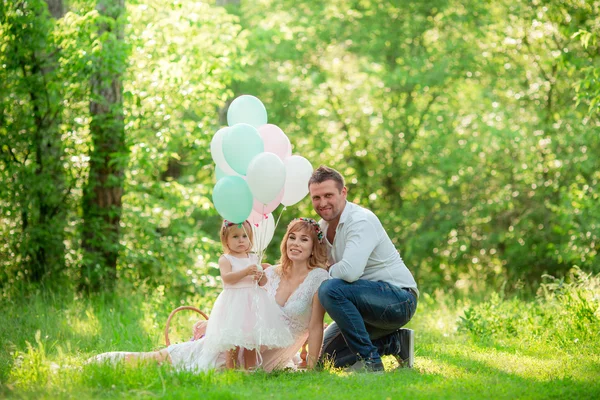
column 362, row 249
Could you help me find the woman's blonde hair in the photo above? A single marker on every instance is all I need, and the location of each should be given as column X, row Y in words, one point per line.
column 228, row 227
column 318, row 257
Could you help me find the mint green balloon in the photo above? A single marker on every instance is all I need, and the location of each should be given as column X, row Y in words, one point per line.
column 247, row 109
column 241, row 143
column 219, row 173
column 233, row 199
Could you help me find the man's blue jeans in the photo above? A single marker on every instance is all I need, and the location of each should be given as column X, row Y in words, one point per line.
column 367, row 318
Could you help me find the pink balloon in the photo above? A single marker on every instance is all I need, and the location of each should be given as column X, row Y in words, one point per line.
column 275, row 141
column 263, row 209
column 255, row 218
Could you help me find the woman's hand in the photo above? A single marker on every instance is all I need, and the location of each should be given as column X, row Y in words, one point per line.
column 262, row 277
column 199, row 329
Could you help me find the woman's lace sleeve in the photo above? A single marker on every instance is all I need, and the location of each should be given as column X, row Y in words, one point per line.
column 319, row 276
column 272, row 281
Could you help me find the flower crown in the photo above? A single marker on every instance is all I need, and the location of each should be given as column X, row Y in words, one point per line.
column 314, row 224
column 227, row 224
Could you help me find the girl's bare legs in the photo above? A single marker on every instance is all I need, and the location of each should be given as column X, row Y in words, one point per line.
column 159, row 356
column 231, row 358
column 132, row 358
column 249, row 358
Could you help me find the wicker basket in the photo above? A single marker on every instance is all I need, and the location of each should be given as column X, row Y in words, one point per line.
column 175, row 311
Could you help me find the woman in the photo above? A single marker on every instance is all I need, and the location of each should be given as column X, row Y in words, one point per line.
column 293, row 284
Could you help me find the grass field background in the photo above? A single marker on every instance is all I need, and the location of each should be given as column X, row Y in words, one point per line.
column 493, row 346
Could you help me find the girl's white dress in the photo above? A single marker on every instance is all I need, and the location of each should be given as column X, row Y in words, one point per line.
column 199, row 355
column 244, row 315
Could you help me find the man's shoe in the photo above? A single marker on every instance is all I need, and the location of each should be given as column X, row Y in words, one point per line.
column 366, row 366
column 406, row 355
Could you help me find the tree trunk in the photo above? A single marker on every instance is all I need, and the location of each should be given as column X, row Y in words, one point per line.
column 108, row 158
column 56, row 8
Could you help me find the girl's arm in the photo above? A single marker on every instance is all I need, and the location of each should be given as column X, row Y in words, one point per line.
column 230, row 277
column 315, row 332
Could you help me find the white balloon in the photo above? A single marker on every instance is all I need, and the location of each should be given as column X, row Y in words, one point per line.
column 263, row 233
column 216, row 150
column 265, row 176
column 297, row 174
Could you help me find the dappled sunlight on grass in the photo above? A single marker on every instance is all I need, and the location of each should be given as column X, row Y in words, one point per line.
column 548, row 368
column 448, row 361
column 515, row 364
column 437, row 313
column 432, row 366
column 82, row 322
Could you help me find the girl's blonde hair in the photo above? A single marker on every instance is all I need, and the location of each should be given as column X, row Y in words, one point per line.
column 227, row 227
column 318, row 258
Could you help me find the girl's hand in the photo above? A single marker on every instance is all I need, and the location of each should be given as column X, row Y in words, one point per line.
column 256, row 271
column 253, row 271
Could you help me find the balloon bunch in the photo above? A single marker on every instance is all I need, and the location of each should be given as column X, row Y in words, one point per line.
column 255, row 169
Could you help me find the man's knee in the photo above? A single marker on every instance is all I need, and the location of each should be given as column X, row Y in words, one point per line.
column 329, row 290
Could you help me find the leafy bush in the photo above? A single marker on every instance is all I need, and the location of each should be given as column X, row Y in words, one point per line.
column 566, row 312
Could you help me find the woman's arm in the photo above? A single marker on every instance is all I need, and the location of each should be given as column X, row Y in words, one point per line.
column 315, row 332
column 230, row 277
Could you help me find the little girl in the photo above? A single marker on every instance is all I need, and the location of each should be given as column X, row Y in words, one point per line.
column 243, row 317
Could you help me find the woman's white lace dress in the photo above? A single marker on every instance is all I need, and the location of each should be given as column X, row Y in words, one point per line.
column 200, row 355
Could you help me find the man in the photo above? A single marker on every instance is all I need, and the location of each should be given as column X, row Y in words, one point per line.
column 371, row 294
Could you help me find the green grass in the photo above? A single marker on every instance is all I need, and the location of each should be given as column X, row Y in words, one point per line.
column 548, row 347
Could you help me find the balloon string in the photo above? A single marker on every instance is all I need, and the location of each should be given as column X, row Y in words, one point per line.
column 261, row 237
column 261, row 250
column 280, row 214
column 256, row 302
column 259, row 324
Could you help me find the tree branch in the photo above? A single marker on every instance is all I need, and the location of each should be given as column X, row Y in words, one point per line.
column 12, row 154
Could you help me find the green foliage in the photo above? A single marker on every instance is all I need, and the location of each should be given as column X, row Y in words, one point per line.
column 468, row 127
column 442, row 124
column 183, row 58
column 32, row 366
column 565, row 314
column 34, row 185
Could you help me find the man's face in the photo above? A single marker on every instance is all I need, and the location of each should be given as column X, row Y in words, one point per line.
column 328, row 201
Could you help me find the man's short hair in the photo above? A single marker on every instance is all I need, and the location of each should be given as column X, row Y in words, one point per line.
column 324, row 173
